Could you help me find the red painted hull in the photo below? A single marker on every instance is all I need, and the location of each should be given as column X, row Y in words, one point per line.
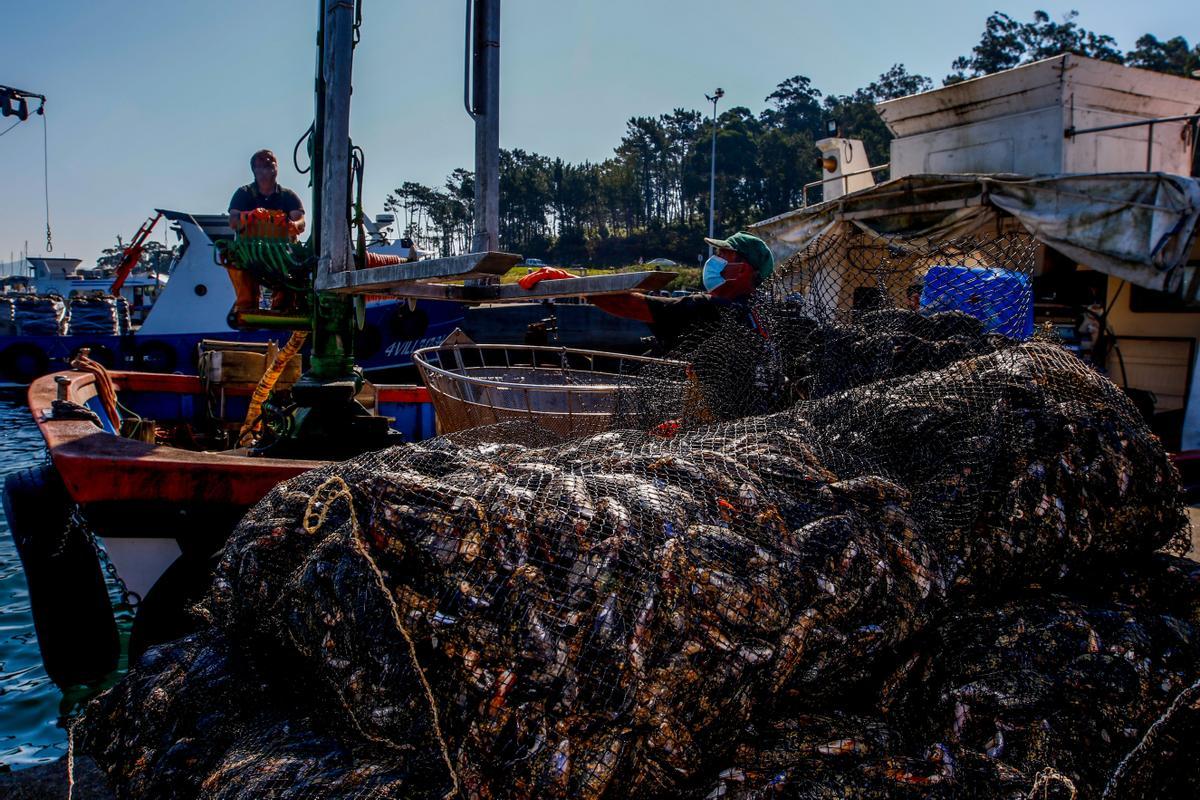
column 99, row 467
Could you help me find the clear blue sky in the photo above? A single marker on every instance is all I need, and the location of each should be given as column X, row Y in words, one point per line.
column 161, row 103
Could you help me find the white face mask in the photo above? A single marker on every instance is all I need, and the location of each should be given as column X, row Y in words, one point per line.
column 711, row 276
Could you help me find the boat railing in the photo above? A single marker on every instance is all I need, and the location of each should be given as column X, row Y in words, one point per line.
column 845, row 178
column 1192, row 119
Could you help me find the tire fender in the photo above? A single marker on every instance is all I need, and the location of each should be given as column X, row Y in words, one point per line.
column 72, row 613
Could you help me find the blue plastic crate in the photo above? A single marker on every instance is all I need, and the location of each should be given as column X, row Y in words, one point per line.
column 999, row 298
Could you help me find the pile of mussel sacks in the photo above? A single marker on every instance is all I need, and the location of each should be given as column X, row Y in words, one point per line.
column 39, row 315
column 959, row 581
column 98, row 315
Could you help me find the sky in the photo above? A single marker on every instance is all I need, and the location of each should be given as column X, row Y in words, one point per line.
column 159, row 103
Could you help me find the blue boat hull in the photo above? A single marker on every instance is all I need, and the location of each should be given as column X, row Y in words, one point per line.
column 389, row 337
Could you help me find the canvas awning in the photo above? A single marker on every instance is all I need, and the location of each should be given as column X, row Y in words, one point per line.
column 1136, row 226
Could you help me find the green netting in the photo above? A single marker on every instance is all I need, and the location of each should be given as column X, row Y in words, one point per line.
column 277, row 262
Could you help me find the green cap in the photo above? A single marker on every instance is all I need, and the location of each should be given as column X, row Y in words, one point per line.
column 752, row 248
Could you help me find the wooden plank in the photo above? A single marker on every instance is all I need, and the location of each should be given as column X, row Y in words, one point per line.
column 915, row 208
column 591, row 286
column 379, row 280
column 231, row 366
column 334, row 257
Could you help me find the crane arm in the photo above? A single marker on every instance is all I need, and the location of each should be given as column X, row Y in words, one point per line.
column 133, row 253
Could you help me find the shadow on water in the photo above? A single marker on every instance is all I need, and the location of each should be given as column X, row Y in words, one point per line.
column 33, row 712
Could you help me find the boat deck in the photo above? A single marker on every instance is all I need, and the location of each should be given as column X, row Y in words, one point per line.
column 133, row 470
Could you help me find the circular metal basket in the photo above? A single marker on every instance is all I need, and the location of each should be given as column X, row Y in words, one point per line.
column 571, row 392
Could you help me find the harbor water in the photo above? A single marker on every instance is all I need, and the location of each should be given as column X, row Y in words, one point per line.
column 33, row 712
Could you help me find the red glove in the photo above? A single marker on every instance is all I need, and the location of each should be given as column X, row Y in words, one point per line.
column 668, row 429
column 542, row 274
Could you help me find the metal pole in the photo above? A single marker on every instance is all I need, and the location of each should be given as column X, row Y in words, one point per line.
column 317, row 161
column 1149, row 144
column 338, row 47
column 712, row 175
column 486, row 112
column 332, row 357
column 1073, row 132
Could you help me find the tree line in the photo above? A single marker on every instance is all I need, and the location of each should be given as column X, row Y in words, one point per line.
column 155, row 256
column 650, row 198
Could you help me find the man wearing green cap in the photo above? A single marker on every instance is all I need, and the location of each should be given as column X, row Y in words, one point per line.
column 730, row 275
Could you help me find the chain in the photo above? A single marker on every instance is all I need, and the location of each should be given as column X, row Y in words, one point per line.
column 46, row 176
column 128, row 597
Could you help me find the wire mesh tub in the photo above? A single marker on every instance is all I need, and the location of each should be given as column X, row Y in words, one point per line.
column 570, row 392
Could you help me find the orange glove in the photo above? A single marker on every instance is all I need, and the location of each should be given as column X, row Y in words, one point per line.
column 262, row 223
column 542, row 274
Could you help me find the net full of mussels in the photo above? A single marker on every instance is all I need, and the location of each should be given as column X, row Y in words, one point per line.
column 912, row 580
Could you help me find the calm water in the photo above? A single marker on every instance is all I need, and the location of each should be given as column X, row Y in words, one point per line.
column 31, row 706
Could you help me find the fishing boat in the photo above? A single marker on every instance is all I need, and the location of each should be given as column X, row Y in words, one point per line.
column 154, row 503
column 149, row 473
column 170, row 314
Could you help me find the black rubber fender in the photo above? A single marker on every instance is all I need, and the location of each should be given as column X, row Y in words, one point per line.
column 158, row 357
column 368, row 341
column 164, row 614
column 23, row 362
column 72, row 613
column 406, row 324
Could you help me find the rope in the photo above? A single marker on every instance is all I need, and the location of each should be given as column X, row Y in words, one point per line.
column 315, row 514
column 71, row 760
column 104, row 385
column 321, row 502
column 1188, row 695
column 46, row 177
column 356, row 539
column 45, row 169
column 266, row 384
column 1045, row 778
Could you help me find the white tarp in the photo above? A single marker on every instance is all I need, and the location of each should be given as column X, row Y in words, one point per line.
column 1135, row 226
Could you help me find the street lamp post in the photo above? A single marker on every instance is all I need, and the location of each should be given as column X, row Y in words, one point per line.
column 712, row 175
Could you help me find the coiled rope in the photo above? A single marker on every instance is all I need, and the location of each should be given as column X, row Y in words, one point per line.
column 266, row 384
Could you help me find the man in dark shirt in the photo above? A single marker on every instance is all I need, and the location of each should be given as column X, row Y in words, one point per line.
column 264, row 192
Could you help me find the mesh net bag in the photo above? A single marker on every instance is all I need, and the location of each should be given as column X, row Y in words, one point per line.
column 124, row 320
column 857, row 552
column 40, row 315
column 93, row 316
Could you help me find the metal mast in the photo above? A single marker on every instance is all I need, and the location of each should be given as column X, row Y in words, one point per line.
column 334, row 255
column 481, row 95
column 712, row 175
